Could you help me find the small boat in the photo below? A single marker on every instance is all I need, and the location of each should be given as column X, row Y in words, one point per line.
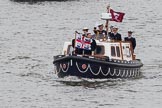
column 110, row 60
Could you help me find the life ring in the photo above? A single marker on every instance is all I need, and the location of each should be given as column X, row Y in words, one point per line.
column 64, row 66
column 84, row 66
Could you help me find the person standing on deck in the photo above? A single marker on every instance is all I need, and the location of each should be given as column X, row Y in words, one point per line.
column 116, row 36
column 102, row 34
column 131, row 39
column 85, row 31
column 111, row 31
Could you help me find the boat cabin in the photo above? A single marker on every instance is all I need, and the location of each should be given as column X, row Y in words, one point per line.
column 113, row 50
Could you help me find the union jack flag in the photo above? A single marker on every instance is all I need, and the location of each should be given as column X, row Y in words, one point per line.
column 83, row 42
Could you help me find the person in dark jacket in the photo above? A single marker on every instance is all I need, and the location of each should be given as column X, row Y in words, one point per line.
column 93, row 45
column 131, row 39
column 116, row 36
column 102, row 34
column 111, row 31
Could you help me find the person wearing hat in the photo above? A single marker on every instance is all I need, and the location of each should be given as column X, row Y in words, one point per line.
column 110, row 34
column 94, row 36
column 131, row 39
column 93, row 45
column 115, row 35
column 101, row 32
column 85, row 31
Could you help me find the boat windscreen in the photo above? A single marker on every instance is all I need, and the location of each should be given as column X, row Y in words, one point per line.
column 99, row 50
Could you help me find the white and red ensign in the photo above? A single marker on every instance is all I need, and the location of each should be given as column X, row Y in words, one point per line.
column 116, row 16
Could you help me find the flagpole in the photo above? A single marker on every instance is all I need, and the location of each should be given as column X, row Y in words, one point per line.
column 107, row 21
column 75, row 42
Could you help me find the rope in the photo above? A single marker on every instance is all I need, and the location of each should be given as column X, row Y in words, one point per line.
column 93, row 72
column 58, row 70
column 81, row 70
column 133, row 72
column 130, row 73
column 123, row 73
column 108, row 71
column 127, row 73
column 113, row 72
column 66, row 68
column 118, row 73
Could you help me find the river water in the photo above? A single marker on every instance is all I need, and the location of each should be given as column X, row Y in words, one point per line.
column 32, row 33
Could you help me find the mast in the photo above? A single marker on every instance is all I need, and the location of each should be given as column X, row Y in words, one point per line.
column 107, row 21
column 74, row 49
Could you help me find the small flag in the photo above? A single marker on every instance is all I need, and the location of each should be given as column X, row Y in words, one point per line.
column 116, row 16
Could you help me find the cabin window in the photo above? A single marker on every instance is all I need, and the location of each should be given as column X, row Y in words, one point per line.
column 126, row 51
column 118, row 51
column 100, row 50
column 113, row 53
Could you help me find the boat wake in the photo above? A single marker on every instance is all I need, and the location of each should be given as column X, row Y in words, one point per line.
column 35, row 1
column 89, row 83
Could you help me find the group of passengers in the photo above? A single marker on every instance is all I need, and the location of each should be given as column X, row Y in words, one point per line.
column 101, row 34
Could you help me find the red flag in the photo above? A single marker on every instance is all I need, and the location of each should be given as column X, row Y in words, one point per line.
column 116, row 16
